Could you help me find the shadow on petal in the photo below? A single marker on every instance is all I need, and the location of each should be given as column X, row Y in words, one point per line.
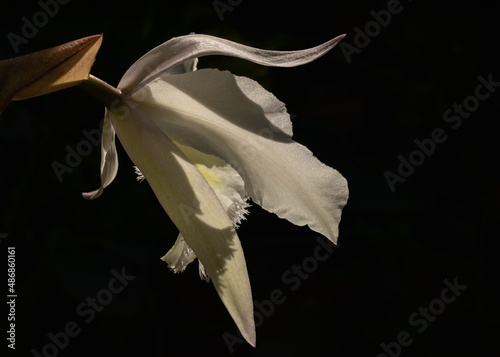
column 194, row 208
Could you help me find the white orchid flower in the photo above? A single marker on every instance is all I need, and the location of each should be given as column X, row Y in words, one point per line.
column 206, row 141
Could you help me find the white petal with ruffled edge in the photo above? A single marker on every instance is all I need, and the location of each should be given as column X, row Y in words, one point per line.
column 234, row 118
column 229, row 188
column 179, row 256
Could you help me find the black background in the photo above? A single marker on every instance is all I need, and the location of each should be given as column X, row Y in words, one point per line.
column 396, row 248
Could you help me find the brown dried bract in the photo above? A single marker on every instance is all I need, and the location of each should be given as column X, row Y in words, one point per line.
column 47, row 71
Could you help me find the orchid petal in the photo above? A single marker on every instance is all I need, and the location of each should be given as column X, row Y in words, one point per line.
column 229, row 188
column 224, row 180
column 184, row 67
column 179, row 256
column 237, row 120
column 180, row 49
column 109, row 158
column 194, row 208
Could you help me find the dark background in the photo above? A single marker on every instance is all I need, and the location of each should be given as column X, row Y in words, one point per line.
column 396, row 248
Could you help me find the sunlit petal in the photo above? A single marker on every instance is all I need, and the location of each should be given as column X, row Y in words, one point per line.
column 180, row 49
column 194, row 208
column 179, row 256
column 235, row 119
column 224, row 180
column 229, row 188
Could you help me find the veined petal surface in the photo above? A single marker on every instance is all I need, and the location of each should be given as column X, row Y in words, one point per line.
column 237, row 120
column 183, row 48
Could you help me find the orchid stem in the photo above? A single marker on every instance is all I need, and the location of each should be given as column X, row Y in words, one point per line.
column 101, row 90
